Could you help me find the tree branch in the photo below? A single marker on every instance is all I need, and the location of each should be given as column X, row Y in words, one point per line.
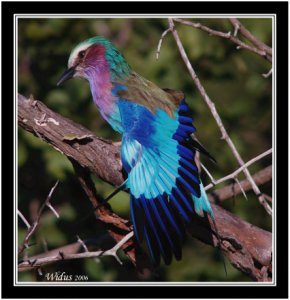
column 239, row 27
column 100, row 156
column 262, row 51
column 235, row 173
column 247, row 246
column 35, row 263
column 261, row 177
column 117, row 227
column 217, row 118
column 32, row 228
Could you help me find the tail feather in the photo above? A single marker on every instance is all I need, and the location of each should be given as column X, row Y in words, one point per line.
column 170, row 214
column 138, row 218
column 152, row 245
column 153, row 224
column 161, row 232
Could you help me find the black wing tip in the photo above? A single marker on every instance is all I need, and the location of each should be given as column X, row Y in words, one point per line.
column 197, row 146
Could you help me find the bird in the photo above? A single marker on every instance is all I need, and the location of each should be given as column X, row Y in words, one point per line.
column 158, row 147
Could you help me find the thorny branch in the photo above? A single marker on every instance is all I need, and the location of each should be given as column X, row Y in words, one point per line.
column 260, row 49
column 104, row 213
column 247, row 246
column 239, row 27
column 32, row 228
column 261, row 177
column 235, row 173
column 34, row 263
column 217, row 118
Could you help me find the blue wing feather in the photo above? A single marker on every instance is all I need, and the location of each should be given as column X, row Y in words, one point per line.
column 163, row 179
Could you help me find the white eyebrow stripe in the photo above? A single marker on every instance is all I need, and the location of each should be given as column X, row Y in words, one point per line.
column 75, row 53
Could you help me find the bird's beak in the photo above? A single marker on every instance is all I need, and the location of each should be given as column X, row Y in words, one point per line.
column 68, row 74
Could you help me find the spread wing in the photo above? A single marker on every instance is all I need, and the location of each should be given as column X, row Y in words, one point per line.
column 163, row 179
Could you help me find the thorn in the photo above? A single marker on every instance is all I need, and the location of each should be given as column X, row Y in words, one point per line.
column 97, row 260
column 82, row 243
column 238, row 182
column 32, row 263
column 223, row 137
column 117, row 258
column 39, row 271
column 53, row 210
column 61, row 254
column 267, row 75
column 237, row 28
column 23, row 219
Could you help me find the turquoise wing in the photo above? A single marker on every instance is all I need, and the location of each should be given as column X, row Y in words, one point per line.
column 165, row 188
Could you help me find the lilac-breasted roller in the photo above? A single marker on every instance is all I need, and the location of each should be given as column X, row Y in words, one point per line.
column 157, row 149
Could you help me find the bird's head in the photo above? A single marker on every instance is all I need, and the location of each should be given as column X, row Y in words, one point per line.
column 95, row 57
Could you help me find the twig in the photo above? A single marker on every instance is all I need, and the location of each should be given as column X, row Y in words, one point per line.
column 23, row 219
column 237, row 27
column 235, row 173
column 61, row 255
column 82, row 243
column 104, row 213
column 32, row 228
column 122, row 242
column 241, row 188
column 216, row 116
column 268, row 198
column 261, row 177
column 250, row 37
column 268, row 74
column 160, row 42
column 48, row 204
column 208, row 174
column 228, row 36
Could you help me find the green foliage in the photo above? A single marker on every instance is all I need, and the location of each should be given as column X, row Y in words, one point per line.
column 232, row 79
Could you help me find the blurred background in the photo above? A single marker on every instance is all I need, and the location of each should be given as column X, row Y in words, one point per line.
column 231, row 77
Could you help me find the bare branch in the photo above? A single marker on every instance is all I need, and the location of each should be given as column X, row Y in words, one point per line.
column 34, row 263
column 241, row 188
column 32, row 228
column 114, row 223
column 119, row 245
column 268, row 198
column 261, row 177
column 23, row 219
column 216, row 116
column 233, row 38
column 250, row 37
column 208, row 174
column 47, row 202
column 235, row 173
column 160, row 42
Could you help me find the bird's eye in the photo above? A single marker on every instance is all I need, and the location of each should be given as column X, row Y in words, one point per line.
column 82, row 54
